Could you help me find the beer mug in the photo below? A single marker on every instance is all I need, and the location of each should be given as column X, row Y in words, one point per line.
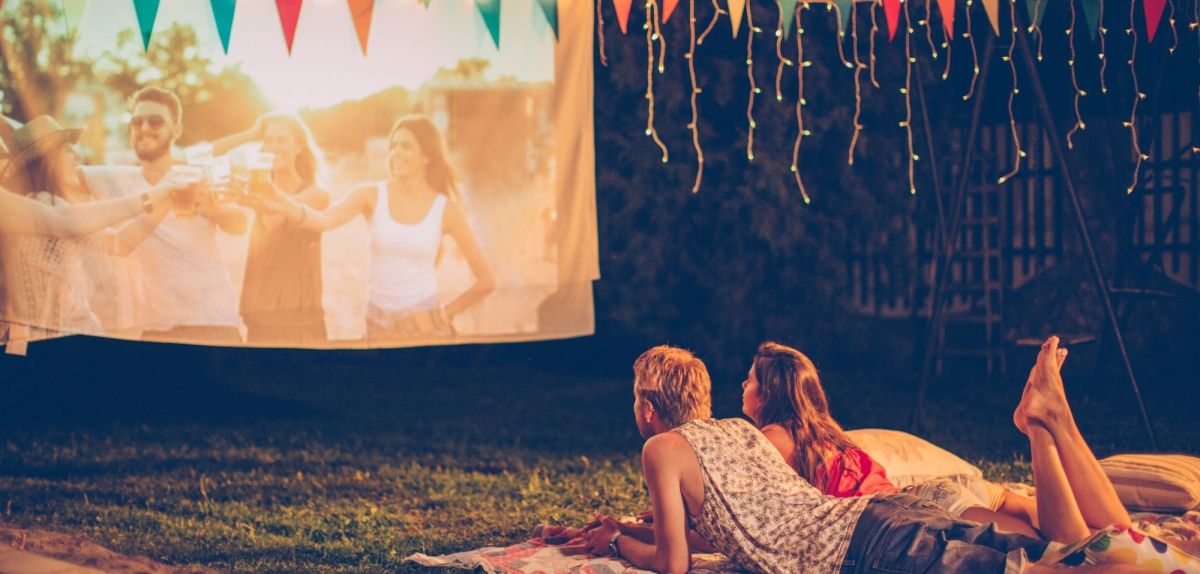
column 186, row 198
column 260, row 166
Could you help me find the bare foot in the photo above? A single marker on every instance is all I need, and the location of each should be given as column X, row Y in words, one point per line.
column 1044, row 397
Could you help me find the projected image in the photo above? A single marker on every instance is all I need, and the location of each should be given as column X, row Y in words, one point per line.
column 347, row 177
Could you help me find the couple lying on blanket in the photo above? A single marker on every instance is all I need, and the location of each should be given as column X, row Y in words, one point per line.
column 824, row 505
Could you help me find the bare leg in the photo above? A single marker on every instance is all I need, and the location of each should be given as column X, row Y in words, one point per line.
column 1020, row 507
column 1061, row 519
column 1004, row 522
column 1045, row 402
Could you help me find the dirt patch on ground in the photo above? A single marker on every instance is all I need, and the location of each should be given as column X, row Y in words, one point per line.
column 78, row 550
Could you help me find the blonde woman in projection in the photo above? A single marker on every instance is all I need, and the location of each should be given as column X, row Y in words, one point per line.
column 408, row 215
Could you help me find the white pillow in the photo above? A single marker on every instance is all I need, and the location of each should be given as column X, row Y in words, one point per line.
column 909, row 459
column 1155, row 482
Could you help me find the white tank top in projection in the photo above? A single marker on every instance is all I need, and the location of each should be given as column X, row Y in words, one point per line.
column 403, row 257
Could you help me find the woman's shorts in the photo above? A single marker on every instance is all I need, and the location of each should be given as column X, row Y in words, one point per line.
column 954, row 494
column 900, row 533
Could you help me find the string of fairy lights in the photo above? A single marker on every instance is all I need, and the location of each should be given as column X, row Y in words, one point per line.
column 656, row 47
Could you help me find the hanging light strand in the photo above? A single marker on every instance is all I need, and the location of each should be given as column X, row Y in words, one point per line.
column 1079, row 125
column 1138, row 96
column 1195, row 26
column 974, row 53
column 871, row 50
column 750, row 75
column 600, row 32
column 783, row 61
column 1012, row 121
column 1036, row 26
column 695, row 124
column 652, row 36
column 946, row 45
column 928, row 24
column 909, row 60
column 717, row 13
column 858, row 68
column 1174, row 32
column 800, row 103
column 1103, row 58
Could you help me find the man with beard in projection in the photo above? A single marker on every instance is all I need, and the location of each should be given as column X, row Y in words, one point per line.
column 187, row 295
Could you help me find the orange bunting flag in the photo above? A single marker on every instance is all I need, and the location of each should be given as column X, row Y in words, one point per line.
column 1153, row 10
column 623, row 7
column 992, row 7
column 289, row 15
column 361, row 11
column 668, row 8
column 947, row 9
column 737, row 8
column 891, row 10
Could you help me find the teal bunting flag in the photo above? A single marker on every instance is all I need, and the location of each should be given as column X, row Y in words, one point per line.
column 845, row 8
column 223, row 14
column 787, row 14
column 147, row 12
column 550, row 11
column 489, row 10
column 1036, row 10
column 1091, row 15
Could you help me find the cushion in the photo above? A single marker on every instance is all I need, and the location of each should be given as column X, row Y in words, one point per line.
column 910, row 459
column 1155, row 482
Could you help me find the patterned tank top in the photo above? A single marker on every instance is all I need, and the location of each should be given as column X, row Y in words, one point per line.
column 758, row 511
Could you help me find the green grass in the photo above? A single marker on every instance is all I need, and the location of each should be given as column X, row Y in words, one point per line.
column 339, row 469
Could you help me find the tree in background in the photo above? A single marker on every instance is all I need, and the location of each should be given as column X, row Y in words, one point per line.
column 38, row 64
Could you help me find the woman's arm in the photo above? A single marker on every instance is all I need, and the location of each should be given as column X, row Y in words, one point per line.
column 457, row 226
column 312, row 197
column 222, row 146
column 123, row 241
column 22, row 215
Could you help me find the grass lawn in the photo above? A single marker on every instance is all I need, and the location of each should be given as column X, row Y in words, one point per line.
column 248, row 461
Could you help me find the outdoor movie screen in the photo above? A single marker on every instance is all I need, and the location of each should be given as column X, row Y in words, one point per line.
column 320, row 174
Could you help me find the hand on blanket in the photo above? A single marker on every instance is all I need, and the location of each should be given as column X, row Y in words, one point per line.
column 595, row 540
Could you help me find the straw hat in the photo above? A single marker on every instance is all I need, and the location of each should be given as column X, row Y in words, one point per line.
column 38, row 136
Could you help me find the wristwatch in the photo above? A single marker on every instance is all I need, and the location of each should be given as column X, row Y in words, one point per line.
column 614, row 549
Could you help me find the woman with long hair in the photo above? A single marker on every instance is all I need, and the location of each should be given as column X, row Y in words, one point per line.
column 282, row 289
column 408, row 215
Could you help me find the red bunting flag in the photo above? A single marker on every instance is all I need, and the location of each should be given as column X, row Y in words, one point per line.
column 947, row 9
column 668, row 8
column 891, row 10
column 1153, row 10
column 623, row 7
column 361, row 11
column 289, row 15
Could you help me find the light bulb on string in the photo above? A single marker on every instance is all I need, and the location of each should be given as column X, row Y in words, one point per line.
column 1138, row 96
column 750, row 75
column 949, row 51
column 1079, row 125
column 858, row 68
column 695, row 125
column 783, row 61
column 651, row 32
column 1103, row 58
column 871, row 49
column 841, row 35
column 717, row 12
column 908, row 64
column 929, row 28
column 800, row 131
column 1037, row 27
column 1174, row 32
column 974, row 53
column 1012, row 121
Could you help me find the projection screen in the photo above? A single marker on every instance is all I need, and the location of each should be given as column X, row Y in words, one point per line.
column 354, row 174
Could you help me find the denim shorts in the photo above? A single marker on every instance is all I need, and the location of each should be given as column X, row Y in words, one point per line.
column 902, row 534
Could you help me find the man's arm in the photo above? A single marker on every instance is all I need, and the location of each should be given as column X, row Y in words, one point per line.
column 231, row 220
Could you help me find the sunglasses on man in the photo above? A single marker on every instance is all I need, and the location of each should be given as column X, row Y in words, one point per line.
column 151, row 121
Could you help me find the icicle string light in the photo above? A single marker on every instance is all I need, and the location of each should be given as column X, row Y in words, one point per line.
column 1195, row 25
column 1138, row 96
column 1036, row 26
column 1079, row 125
column 909, row 60
column 871, row 51
column 750, row 75
column 695, row 125
column 1174, row 32
column 800, row 103
column 783, row 61
column 717, row 13
column 600, row 32
column 1012, row 120
column 651, row 37
column 1103, row 58
column 949, row 53
column 841, row 35
column 660, row 38
column 858, row 68
column 928, row 24
column 974, row 53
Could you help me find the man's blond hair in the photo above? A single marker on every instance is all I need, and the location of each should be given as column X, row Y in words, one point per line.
column 675, row 382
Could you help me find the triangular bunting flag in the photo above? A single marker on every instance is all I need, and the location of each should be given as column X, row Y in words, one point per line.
column 426, row 3
column 1036, row 9
column 1153, row 10
column 72, row 13
column 490, row 11
column 360, row 12
column 992, row 7
column 668, row 8
column 736, row 9
column 223, row 14
column 946, row 7
column 787, row 15
column 147, row 12
column 891, row 11
column 1091, row 15
column 845, row 8
column 289, row 15
column 623, row 7
column 550, row 11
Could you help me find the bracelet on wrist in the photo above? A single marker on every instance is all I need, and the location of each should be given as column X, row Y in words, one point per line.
column 614, row 549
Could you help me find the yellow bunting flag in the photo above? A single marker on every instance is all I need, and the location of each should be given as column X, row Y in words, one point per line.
column 489, row 10
column 668, row 8
column 72, row 14
column 289, row 16
column 992, row 7
column 891, row 11
column 360, row 12
column 737, row 8
column 623, row 7
column 947, row 9
column 147, row 12
column 1153, row 10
